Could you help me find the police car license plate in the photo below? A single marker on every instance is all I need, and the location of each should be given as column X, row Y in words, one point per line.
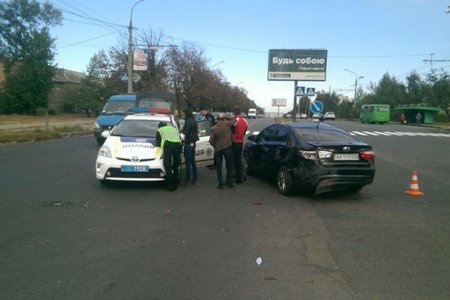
column 346, row 156
column 134, row 168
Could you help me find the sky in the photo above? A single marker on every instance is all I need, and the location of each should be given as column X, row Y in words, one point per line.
column 368, row 38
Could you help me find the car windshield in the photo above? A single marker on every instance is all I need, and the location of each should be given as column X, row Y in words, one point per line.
column 322, row 136
column 117, row 107
column 154, row 103
column 136, row 128
column 204, row 126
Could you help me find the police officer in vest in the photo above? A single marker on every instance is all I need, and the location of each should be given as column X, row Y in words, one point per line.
column 168, row 138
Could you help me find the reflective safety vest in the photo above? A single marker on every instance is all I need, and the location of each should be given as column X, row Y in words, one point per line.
column 169, row 133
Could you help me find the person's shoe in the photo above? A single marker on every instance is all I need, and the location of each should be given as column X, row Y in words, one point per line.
column 186, row 184
column 221, row 186
column 194, row 181
column 230, row 185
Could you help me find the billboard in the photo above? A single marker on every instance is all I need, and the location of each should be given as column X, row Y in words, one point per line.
column 278, row 101
column 297, row 64
column 139, row 60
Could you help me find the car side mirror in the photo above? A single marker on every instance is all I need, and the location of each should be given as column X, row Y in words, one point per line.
column 106, row 133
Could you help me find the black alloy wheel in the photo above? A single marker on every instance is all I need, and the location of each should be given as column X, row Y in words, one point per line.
column 285, row 181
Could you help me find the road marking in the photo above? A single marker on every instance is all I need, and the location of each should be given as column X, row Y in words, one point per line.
column 358, row 133
column 398, row 133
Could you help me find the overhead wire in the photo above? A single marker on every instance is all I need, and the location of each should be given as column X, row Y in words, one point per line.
column 90, row 18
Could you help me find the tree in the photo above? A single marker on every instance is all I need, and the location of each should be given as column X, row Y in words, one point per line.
column 440, row 91
column 91, row 95
column 182, row 70
column 414, row 88
column 388, row 91
column 26, row 48
column 330, row 100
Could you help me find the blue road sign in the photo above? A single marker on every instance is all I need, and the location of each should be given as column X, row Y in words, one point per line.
column 316, row 107
column 300, row 91
column 124, row 77
column 311, row 92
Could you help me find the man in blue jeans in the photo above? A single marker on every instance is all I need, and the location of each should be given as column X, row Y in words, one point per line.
column 221, row 139
column 190, row 131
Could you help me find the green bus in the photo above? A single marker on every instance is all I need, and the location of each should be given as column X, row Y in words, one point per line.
column 375, row 113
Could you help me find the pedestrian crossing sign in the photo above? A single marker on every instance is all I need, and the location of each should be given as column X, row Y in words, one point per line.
column 300, row 91
column 311, row 92
column 124, row 77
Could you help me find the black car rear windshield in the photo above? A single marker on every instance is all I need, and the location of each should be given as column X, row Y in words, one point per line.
column 322, row 135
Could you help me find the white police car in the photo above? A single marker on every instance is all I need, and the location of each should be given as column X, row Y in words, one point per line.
column 129, row 152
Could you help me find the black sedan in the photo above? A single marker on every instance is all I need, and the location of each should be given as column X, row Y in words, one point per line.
column 314, row 157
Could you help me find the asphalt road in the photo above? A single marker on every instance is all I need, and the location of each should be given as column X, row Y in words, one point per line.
column 64, row 236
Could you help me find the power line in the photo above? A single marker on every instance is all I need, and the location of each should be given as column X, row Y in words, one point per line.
column 88, row 40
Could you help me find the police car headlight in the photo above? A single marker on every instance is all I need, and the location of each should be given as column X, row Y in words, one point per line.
column 105, row 151
column 96, row 126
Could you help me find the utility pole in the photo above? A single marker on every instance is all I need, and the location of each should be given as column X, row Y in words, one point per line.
column 130, row 49
column 431, row 60
column 356, row 81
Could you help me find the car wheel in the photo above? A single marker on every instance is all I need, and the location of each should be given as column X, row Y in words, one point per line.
column 285, row 181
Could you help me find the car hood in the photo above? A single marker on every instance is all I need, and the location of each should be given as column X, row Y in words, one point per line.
column 109, row 120
column 132, row 148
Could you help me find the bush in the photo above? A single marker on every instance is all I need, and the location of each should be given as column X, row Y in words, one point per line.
column 441, row 117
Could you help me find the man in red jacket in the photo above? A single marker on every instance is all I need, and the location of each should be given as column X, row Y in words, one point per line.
column 239, row 128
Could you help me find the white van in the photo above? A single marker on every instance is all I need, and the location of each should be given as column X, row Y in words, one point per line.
column 251, row 113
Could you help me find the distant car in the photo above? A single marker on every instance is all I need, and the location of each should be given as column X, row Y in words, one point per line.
column 303, row 116
column 310, row 157
column 252, row 113
column 317, row 117
column 329, row 115
column 129, row 152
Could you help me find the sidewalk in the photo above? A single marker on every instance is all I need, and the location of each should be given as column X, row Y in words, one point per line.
column 27, row 123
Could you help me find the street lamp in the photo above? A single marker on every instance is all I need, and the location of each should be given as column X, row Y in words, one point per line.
column 356, row 81
column 130, row 46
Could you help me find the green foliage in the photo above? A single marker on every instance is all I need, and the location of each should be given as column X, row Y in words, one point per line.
column 89, row 97
column 440, row 91
column 26, row 49
column 434, row 91
column 182, row 70
column 388, row 91
column 329, row 100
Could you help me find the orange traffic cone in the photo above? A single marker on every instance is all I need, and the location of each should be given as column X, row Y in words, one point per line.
column 414, row 186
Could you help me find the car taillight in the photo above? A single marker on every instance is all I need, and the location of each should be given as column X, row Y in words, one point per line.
column 315, row 154
column 312, row 155
column 367, row 155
